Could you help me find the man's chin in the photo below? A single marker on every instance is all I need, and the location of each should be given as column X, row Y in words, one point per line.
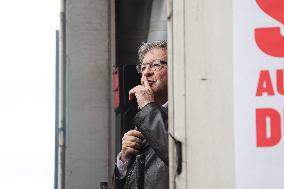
column 154, row 89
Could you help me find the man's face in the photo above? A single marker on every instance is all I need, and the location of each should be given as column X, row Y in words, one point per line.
column 158, row 80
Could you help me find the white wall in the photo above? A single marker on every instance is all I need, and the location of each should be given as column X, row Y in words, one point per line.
column 88, row 93
column 201, row 92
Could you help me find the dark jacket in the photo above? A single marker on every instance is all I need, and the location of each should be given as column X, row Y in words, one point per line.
column 151, row 121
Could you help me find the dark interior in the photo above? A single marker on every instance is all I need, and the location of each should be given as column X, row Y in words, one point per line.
column 137, row 21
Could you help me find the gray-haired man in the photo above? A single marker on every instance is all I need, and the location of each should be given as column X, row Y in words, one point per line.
column 150, row 138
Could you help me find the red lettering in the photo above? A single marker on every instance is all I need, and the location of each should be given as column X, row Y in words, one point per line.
column 264, row 84
column 263, row 139
column 273, row 8
column 280, row 82
column 270, row 40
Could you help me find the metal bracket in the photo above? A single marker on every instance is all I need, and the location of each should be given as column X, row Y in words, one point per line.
column 178, row 147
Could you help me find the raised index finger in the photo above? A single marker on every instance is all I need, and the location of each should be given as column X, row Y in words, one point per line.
column 131, row 93
column 145, row 82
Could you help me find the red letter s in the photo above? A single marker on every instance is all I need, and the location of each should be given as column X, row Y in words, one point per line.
column 270, row 40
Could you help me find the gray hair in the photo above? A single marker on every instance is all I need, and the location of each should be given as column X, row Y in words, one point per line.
column 146, row 47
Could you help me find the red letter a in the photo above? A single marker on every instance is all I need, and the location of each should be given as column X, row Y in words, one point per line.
column 264, row 84
column 263, row 138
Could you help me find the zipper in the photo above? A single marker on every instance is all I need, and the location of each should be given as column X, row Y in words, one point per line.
column 128, row 175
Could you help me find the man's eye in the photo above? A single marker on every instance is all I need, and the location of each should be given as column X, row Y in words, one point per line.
column 143, row 68
column 156, row 65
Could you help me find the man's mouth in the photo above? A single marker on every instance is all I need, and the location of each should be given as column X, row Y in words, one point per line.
column 150, row 82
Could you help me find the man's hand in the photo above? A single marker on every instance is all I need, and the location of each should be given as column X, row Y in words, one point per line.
column 131, row 144
column 143, row 93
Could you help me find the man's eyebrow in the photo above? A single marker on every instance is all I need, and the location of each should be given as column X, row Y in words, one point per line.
column 154, row 61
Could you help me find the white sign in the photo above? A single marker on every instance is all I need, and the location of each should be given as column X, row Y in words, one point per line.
column 259, row 93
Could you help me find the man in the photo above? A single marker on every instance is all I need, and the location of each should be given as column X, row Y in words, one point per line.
column 150, row 138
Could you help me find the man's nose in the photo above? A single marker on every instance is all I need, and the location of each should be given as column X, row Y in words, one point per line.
column 147, row 71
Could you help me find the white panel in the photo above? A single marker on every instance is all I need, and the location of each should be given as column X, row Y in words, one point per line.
column 202, row 97
column 179, row 83
column 88, row 93
column 258, row 166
